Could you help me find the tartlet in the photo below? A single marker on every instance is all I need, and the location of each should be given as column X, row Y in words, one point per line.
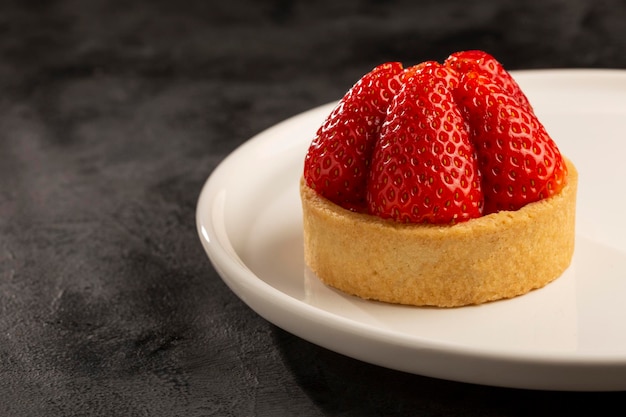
column 437, row 185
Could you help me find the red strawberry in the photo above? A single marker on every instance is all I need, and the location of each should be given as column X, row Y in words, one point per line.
column 518, row 160
column 449, row 76
column 486, row 65
column 423, row 166
column 337, row 161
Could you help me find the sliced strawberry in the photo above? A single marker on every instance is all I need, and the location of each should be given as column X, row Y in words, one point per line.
column 486, row 65
column 423, row 166
column 337, row 161
column 518, row 160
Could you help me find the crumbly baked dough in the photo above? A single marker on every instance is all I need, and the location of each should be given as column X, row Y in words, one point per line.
column 497, row 256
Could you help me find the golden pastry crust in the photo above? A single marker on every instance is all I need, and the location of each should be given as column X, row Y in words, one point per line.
column 497, row 256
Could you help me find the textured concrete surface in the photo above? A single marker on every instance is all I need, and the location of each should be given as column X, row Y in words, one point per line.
column 112, row 116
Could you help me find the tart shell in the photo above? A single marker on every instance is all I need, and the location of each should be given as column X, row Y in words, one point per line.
column 497, row 256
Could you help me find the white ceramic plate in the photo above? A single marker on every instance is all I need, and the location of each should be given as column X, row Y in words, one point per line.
column 570, row 335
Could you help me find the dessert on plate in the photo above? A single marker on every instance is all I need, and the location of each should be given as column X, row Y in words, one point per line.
column 436, row 185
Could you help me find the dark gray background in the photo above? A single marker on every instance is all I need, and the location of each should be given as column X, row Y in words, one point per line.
column 112, row 116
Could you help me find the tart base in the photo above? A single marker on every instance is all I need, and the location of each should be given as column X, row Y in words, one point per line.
column 501, row 255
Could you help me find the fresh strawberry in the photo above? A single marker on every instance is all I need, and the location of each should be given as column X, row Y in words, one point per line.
column 486, row 65
column 423, row 166
column 518, row 160
column 337, row 161
column 448, row 76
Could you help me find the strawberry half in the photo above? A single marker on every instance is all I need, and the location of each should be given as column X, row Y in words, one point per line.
column 337, row 162
column 518, row 160
column 423, row 166
column 483, row 63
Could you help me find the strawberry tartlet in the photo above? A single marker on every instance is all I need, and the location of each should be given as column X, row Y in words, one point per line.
column 436, row 185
